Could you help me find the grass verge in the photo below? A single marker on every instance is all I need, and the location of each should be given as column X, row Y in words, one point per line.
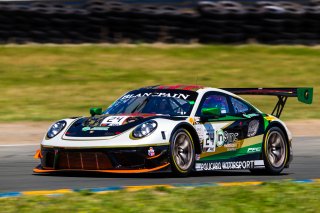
column 269, row 197
column 51, row 82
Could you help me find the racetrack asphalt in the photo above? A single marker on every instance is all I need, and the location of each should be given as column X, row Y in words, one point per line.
column 17, row 162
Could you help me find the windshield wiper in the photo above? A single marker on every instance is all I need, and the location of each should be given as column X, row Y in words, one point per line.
column 143, row 103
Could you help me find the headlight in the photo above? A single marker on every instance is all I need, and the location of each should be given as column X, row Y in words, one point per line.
column 56, row 129
column 144, row 129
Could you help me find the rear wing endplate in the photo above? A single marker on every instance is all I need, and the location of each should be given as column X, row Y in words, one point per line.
column 303, row 94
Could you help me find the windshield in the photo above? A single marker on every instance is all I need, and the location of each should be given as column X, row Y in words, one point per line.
column 167, row 102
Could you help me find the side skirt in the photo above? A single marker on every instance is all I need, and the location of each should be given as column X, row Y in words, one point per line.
column 251, row 161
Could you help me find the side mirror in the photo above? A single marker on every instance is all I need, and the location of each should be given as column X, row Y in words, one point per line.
column 210, row 113
column 95, row 111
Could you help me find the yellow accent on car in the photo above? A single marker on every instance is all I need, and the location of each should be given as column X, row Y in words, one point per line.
column 191, row 120
column 270, row 118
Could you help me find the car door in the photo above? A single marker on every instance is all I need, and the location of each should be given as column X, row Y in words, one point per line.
column 252, row 125
column 222, row 136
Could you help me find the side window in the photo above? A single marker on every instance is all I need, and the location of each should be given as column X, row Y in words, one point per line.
column 215, row 101
column 239, row 106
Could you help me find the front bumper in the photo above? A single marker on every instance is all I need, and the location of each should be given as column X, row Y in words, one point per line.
column 107, row 160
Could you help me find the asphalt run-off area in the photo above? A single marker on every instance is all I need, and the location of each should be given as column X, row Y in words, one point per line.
column 17, row 162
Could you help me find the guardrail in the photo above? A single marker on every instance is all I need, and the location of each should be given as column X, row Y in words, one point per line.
column 210, row 22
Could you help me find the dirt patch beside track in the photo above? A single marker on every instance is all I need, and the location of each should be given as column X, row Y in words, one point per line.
column 33, row 132
column 22, row 132
column 304, row 127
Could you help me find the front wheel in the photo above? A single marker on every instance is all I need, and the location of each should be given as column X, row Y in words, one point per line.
column 275, row 152
column 182, row 153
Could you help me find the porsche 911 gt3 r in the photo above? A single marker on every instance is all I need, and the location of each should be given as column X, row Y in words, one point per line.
column 177, row 128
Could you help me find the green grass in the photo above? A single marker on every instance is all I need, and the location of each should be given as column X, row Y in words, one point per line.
column 51, row 82
column 270, row 197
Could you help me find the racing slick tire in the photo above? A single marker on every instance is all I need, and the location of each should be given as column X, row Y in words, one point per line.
column 182, row 153
column 275, row 152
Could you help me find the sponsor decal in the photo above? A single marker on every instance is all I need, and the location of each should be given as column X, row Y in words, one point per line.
column 97, row 128
column 259, row 164
column 157, row 94
column 238, row 165
column 200, row 132
column 253, row 128
column 230, row 137
column 250, row 115
column 254, row 149
column 114, row 120
column 100, row 128
column 92, row 121
column 211, row 138
column 227, row 140
column 86, row 128
column 220, row 138
column 208, row 166
column 209, row 143
column 228, row 165
column 151, row 152
column 231, row 146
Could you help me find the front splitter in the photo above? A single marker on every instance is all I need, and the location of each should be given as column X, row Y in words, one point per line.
column 40, row 170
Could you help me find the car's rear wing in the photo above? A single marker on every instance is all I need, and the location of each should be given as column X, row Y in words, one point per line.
column 304, row 95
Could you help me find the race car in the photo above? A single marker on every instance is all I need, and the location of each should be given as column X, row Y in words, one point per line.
column 178, row 128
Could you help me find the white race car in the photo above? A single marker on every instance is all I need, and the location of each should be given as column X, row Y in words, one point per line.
column 178, row 128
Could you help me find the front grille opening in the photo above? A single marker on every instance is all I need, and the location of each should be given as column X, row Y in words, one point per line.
column 83, row 161
column 99, row 159
column 73, row 159
column 130, row 160
column 48, row 159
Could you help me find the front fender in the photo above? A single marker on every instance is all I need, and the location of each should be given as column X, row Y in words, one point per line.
column 192, row 131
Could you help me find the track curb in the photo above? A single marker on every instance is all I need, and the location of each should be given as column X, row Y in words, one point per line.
column 137, row 188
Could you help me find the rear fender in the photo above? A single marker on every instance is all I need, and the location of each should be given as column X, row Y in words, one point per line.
column 288, row 135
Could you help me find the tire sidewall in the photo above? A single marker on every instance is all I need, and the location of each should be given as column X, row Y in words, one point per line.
column 269, row 167
column 175, row 168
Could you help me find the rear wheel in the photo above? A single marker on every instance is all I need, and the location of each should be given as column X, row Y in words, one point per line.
column 182, row 153
column 275, row 152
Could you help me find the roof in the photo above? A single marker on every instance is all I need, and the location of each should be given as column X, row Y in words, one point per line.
column 177, row 86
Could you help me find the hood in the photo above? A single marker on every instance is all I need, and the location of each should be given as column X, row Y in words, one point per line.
column 106, row 125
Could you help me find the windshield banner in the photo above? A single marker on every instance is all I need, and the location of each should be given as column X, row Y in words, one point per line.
column 181, row 94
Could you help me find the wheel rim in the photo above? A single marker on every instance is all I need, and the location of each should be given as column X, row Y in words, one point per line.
column 276, row 149
column 183, row 151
